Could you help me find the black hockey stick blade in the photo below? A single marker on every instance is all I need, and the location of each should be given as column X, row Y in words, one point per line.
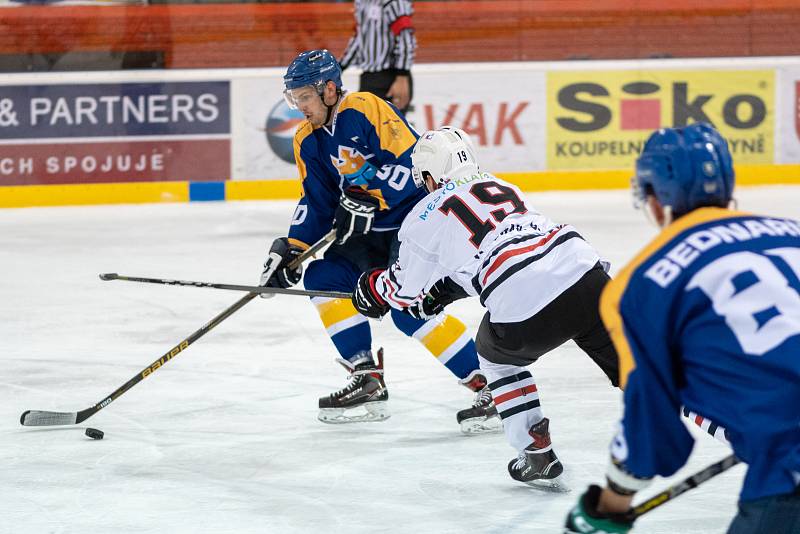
column 109, row 276
column 683, row 486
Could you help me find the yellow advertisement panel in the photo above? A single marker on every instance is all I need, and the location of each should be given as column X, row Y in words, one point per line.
column 600, row 120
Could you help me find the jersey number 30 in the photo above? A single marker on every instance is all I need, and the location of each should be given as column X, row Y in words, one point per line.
column 754, row 297
column 490, row 193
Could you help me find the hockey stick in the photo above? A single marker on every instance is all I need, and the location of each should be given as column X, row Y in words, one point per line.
column 682, row 487
column 232, row 287
column 47, row 418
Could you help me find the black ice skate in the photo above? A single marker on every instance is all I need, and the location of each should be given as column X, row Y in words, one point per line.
column 538, row 465
column 362, row 399
column 482, row 417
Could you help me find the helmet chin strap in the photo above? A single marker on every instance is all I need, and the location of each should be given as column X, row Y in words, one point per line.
column 432, row 185
column 330, row 108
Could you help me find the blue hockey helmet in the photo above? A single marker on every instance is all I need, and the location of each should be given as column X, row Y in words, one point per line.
column 313, row 67
column 685, row 168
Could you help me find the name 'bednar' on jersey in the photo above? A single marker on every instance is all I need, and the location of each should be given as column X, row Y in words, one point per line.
column 365, row 131
column 708, row 316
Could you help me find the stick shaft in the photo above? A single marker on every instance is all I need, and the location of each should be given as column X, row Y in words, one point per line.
column 47, row 418
column 683, row 486
column 231, row 287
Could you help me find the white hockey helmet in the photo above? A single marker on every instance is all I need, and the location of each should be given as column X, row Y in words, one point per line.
column 444, row 154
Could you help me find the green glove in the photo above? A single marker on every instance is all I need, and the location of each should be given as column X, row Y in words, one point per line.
column 585, row 519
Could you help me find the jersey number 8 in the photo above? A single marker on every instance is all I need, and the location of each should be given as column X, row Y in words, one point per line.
column 755, row 298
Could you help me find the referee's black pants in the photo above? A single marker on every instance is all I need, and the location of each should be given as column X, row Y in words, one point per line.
column 378, row 83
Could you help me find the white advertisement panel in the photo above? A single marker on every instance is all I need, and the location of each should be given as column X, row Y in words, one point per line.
column 501, row 107
column 787, row 120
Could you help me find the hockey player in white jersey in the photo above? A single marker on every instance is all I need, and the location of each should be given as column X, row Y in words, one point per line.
column 474, row 235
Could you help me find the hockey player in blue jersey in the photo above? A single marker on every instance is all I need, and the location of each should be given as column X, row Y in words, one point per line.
column 353, row 153
column 708, row 316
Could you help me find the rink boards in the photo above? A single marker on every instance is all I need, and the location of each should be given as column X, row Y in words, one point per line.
column 199, row 135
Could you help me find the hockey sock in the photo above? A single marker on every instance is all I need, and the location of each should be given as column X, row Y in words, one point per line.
column 516, row 399
column 348, row 329
column 445, row 337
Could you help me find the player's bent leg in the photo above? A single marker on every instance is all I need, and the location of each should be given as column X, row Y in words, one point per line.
column 582, row 302
column 448, row 340
column 364, row 396
column 527, row 430
column 597, row 344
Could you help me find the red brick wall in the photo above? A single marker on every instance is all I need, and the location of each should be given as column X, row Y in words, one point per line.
column 258, row 35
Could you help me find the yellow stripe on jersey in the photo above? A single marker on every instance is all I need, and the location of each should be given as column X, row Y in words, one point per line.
column 612, row 294
column 443, row 335
column 304, row 129
column 395, row 136
column 335, row 311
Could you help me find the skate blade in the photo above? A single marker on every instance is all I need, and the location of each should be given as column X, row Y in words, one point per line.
column 550, row 485
column 368, row 413
column 481, row 425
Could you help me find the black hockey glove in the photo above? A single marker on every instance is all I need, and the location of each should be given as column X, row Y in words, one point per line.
column 366, row 298
column 584, row 517
column 276, row 272
column 355, row 214
column 441, row 294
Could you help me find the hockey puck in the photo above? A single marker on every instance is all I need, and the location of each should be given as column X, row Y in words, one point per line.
column 94, row 433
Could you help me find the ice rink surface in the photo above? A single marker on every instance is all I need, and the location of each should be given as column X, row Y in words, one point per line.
column 224, row 438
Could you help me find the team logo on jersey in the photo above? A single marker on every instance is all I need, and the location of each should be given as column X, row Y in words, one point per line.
column 349, row 161
column 353, row 166
column 281, row 125
column 394, row 127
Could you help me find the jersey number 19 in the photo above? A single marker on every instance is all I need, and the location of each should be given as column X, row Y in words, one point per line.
column 490, row 193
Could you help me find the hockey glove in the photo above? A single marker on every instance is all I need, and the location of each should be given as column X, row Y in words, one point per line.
column 424, row 309
column 366, row 298
column 276, row 272
column 585, row 519
column 441, row 294
column 355, row 214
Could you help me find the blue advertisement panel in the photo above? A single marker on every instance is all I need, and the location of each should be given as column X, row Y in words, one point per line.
column 113, row 110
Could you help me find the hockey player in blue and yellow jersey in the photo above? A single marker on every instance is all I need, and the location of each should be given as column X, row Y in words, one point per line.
column 708, row 316
column 353, row 153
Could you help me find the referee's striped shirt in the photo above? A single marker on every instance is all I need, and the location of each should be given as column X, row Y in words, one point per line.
column 384, row 37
